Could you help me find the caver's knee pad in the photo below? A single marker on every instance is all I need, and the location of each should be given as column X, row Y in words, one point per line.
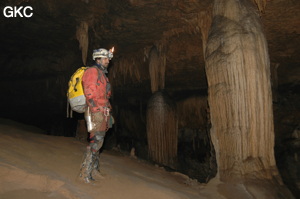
column 97, row 141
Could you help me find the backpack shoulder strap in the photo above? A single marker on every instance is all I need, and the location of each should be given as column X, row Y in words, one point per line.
column 99, row 74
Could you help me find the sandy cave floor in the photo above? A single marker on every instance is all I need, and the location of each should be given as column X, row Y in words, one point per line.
column 34, row 165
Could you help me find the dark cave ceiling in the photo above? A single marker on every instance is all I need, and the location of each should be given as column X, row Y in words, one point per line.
column 44, row 44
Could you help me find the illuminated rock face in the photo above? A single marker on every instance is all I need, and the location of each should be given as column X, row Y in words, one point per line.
column 39, row 54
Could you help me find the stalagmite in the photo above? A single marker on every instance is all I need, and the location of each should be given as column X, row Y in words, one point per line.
column 162, row 130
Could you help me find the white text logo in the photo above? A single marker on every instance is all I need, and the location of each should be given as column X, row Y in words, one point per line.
column 15, row 11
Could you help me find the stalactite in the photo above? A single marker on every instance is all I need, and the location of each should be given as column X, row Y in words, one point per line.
column 83, row 39
column 261, row 4
column 153, row 69
column 204, row 22
column 162, row 129
column 157, row 67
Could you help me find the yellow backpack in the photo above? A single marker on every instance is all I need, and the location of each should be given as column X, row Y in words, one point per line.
column 75, row 93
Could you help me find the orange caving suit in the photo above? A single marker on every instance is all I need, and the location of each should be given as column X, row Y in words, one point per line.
column 97, row 92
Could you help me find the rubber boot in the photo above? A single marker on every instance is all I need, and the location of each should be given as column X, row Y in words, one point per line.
column 96, row 168
column 96, row 164
column 87, row 166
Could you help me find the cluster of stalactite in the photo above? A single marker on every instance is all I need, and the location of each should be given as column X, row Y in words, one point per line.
column 128, row 69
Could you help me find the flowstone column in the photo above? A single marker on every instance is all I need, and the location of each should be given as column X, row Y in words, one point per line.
column 240, row 98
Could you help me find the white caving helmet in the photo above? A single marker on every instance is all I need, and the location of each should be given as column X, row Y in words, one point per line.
column 101, row 52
